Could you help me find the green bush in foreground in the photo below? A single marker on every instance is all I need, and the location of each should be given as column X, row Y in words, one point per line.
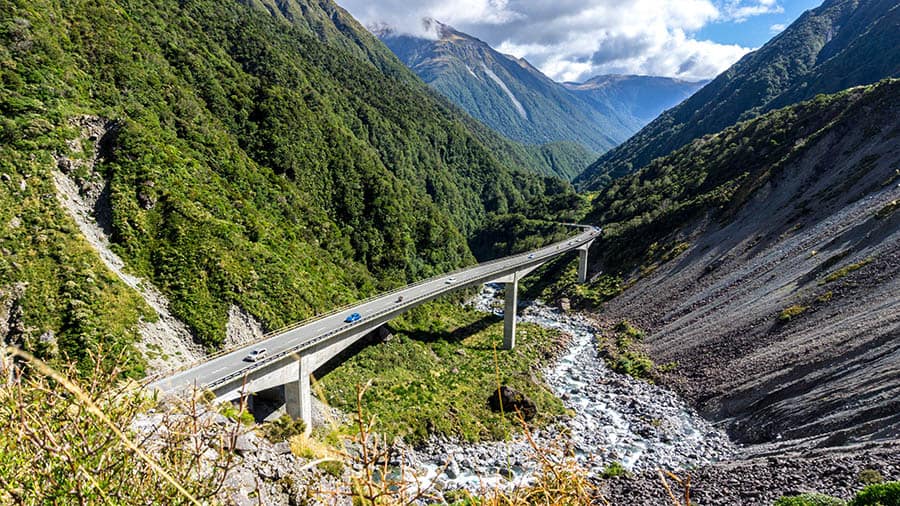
column 881, row 494
column 809, row 500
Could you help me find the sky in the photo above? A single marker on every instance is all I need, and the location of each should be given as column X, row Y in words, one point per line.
column 574, row 40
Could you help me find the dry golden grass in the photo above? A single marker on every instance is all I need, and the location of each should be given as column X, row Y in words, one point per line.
column 69, row 441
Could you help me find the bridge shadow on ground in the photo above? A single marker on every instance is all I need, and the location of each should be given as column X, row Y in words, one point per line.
column 459, row 334
column 382, row 333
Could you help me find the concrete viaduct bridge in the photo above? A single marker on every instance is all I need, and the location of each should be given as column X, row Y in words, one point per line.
column 295, row 353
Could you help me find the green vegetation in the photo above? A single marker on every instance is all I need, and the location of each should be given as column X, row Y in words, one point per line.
column 624, row 356
column 238, row 414
column 614, row 470
column 436, row 373
column 874, row 494
column 844, row 271
column 811, row 499
column 283, row 428
column 643, row 213
column 881, row 494
column 786, row 70
column 870, row 477
column 281, row 160
column 789, row 313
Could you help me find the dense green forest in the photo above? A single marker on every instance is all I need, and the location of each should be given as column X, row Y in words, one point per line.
column 840, row 44
column 274, row 156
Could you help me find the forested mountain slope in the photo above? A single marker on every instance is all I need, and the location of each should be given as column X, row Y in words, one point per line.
column 268, row 155
column 764, row 261
column 843, row 43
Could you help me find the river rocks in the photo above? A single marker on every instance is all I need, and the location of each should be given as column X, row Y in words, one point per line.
column 510, row 400
column 245, row 443
column 614, row 418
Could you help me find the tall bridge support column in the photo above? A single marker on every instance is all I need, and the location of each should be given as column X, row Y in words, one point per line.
column 583, row 263
column 298, row 395
column 511, row 303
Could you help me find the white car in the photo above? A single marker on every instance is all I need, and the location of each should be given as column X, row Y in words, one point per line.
column 257, row 355
column 450, row 280
column 531, row 256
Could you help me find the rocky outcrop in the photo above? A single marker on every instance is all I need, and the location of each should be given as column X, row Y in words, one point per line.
column 510, row 400
column 242, row 328
column 12, row 328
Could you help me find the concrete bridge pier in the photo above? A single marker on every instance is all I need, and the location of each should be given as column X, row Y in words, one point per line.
column 583, row 262
column 511, row 303
column 298, row 394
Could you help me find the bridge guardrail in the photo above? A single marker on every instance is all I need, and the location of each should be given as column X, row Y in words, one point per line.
column 323, row 316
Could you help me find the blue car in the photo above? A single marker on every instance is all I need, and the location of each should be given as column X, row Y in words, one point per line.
column 355, row 317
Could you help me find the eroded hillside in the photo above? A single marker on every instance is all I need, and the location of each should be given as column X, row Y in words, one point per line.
column 767, row 260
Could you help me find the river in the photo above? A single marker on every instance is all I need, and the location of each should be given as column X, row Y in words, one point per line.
column 616, row 419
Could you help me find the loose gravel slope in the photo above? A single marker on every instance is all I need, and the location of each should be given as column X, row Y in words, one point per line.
column 785, row 319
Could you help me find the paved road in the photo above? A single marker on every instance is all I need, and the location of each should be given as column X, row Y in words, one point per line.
column 233, row 363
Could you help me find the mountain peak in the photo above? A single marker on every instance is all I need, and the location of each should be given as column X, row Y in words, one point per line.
column 509, row 94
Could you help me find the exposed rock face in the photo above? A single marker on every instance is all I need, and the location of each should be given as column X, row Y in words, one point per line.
column 84, row 194
column 242, row 327
column 11, row 325
column 12, row 328
column 511, row 400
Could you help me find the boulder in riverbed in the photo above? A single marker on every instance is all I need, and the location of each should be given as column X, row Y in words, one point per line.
column 512, row 400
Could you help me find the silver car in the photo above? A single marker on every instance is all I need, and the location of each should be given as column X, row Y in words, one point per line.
column 257, row 355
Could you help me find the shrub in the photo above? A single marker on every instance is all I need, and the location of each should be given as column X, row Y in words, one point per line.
column 881, row 494
column 870, row 477
column 283, row 428
column 613, row 470
column 231, row 412
column 809, row 500
column 624, row 327
column 789, row 313
column 843, row 271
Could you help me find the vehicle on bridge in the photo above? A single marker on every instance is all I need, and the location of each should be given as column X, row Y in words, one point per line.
column 531, row 256
column 353, row 318
column 450, row 280
column 256, row 355
column 399, row 298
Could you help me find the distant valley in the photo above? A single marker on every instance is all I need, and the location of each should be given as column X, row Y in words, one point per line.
column 516, row 99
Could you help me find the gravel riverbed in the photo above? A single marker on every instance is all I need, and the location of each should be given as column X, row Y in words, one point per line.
column 616, row 419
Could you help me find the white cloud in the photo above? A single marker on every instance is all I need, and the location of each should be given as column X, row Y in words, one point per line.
column 739, row 11
column 777, row 28
column 578, row 39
